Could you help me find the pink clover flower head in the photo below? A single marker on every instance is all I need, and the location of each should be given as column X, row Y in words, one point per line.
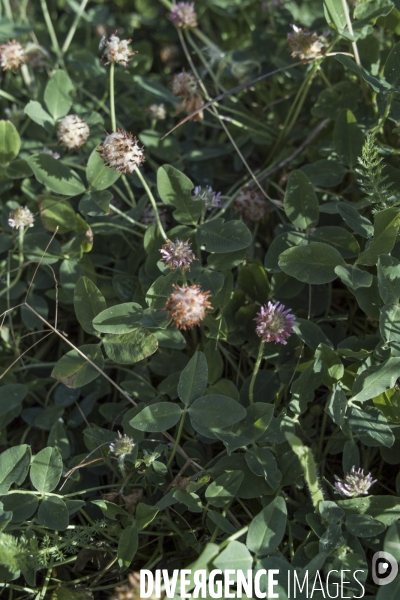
column 207, row 195
column 183, row 14
column 354, row 483
column 177, row 255
column 275, row 323
column 20, row 218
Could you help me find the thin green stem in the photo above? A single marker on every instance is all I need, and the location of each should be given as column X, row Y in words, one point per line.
column 7, row 9
column 350, row 28
column 74, row 25
column 50, row 28
column 256, row 368
column 153, row 203
column 112, row 98
column 128, row 189
column 178, row 437
column 20, row 260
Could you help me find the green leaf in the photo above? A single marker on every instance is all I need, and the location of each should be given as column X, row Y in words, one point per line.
column 301, row 203
column 127, row 546
column 375, row 380
column 175, row 189
column 46, row 470
column 311, row 334
column 159, row 291
column 385, row 509
column 57, row 212
column 221, row 237
column 391, row 71
column 157, row 417
column 267, row 529
column 378, row 85
column 11, row 397
column 354, row 220
column 339, row 238
column 129, row 348
column 253, row 280
column 193, row 379
column 314, row 263
column 364, row 526
column 211, row 281
column 263, row 463
column 279, row 244
column 371, row 426
column 369, row 299
column 386, row 226
column 14, row 465
column 100, row 176
column 347, row 138
column 144, row 515
column 337, row 405
column 324, row 172
column 57, row 95
column 96, row 204
column 74, row 371
column 371, row 11
column 36, row 112
column 53, row 513
column 121, row 318
column 389, row 278
column 54, row 175
column 392, row 541
column 22, row 506
column 68, row 593
column 353, row 277
column 248, row 430
column 235, row 556
column 335, row 14
column 389, row 327
column 224, row 488
column 215, row 411
column 391, row 591
column 10, row 142
column 88, row 303
column 389, row 404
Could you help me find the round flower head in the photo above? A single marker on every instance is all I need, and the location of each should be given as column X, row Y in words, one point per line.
column 120, row 151
column 72, row 132
column 274, row 323
column 20, row 218
column 177, row 255
column 148, row 217
column 184, row 85
column 122, row 445
column 156, row 111
column 305, row 45
column 116, row 50
column 250, row 205
column 355, row 483
column 183, row 15
column 12, row 56
column 207, row 195
column 187, row 306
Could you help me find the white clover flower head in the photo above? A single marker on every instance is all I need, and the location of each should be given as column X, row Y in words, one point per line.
column 188, row 305
column 183, row 15
column 20, row 218
column 55, row 155
column 354, row 483
column 207, row 195
column 121, row 151
column 148, row 216
column 274, row 323
column 122, row 445
column 156, row 111
column 116, row 50
column 12, row 55
column 72, row 131
column 250, row 205
column 184, row 85
column 305, row 45
column 177, row 255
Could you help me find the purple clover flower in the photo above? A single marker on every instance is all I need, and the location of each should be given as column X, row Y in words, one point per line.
column 177, row 255
column 354, row 483
column 207, row 195
column 183, row 14
column 274, row 323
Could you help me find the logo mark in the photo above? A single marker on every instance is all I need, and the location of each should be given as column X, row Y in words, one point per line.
column 384, row 568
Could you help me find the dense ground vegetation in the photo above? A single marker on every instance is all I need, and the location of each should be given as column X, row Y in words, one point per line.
column 200, row 335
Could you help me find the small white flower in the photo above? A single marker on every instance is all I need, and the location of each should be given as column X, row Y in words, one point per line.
column 122, row 445
column 72, row 131
column 184, row 85
column 12, row 55
column 188, row 305
column 156, row 111
column 121, row 151
column 20, row 218
column 116, row 50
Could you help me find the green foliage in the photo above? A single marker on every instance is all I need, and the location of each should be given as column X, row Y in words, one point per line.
column 373, row 181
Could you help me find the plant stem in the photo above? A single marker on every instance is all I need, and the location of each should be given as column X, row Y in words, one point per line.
column 128, row 189
column 50, row 27
column 7, row 10
column 178, row 437
column 350, row 28
column 153, row 203
column 74, row 25
column 112, row 99
column 256, row 368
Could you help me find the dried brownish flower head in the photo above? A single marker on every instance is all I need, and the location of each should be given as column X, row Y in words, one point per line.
column 121, row 151
column 305, row 45
column 12, row 55
column 186, row 86
column 187, row 306
column 250, row 205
